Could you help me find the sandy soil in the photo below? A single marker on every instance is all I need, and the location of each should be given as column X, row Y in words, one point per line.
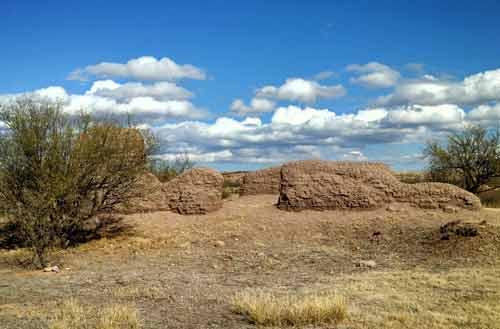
column 181, row 271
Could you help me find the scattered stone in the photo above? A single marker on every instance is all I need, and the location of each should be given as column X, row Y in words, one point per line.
column 391, row 208
column 366, row 263
column 219, row 243
column 324, row 185
column 54, row 269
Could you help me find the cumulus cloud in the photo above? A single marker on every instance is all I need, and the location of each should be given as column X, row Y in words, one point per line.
column 374, row 75
column 307, row 132
column 414, row 115
column 295, row 132
column 257, row 105
column 294, row 115
column 297, row 89
column 483, row 113
column 354, row 155
column 473, row 90
column 144, row 108
column 416, row 110
column 142, row 68
column 158, row 90
column 199, row 156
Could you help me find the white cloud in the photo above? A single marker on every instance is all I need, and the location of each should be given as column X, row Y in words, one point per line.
column 143, row 108
column 354, row 155
column 53, row 93
column 475, row 89
column 142, row 68
column 294, row 133
column 485, row 113
column 446, row 114
column 297, row 89
column 370, row 115
column 257, row 105
column 323, row 75
column 196, row 157
column 374, row 75
column 293, row 115
column 416, row 110
column 158, row 90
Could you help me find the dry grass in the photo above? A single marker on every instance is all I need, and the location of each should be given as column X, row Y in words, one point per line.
column 266, row 308
column 73, row 315
column 490, row 199
column 458, row 298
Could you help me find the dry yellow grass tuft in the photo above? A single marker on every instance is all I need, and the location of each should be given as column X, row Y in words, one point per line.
column 73, row 315
column 266, row 308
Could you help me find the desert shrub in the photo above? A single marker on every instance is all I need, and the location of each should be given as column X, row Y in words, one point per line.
column 57, row 171
column 413, row 177
column 231, row 184
column 226, row 193
column 470, row 159
column 73, row 315
column 230, row 187
column 165, row 170
column 268, row 309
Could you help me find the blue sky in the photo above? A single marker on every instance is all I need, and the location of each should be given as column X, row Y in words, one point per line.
column 416, row 69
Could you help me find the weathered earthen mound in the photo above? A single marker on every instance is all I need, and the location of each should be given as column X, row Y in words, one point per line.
column 147, row 195
column 321, row 185
column 265, row 181
column 197, row 191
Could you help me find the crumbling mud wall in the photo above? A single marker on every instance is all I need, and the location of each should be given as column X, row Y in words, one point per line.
column 265, row 181
column 147, row 195
column 322, row 185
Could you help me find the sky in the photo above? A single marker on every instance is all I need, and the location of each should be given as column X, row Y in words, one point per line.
column 242, row 85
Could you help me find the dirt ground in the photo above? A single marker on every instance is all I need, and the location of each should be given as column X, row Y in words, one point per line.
column 182, row 271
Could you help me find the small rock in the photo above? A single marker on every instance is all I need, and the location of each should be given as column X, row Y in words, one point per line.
column 449, row 209
column 219, row 243
column 458, row 228
column 391, row 208
column 366, row 263
column 54, row 269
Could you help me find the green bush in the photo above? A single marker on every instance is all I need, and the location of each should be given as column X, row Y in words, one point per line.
column 166, row 170
column 57, row 171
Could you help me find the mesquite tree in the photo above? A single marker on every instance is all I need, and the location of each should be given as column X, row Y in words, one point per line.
column 470, row 159
column 58, row 171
